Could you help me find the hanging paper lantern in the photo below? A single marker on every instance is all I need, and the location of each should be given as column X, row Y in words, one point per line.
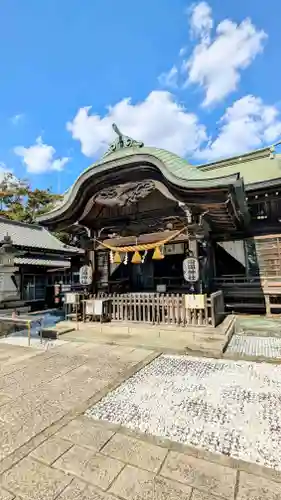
column 157, row 255
column 117, row 258
column 136, row 259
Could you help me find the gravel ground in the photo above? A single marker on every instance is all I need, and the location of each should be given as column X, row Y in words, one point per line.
column 223, row 406
column 269, row 347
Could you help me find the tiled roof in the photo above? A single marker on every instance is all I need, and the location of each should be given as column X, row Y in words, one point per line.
column 32, row 236
column 41, row 262
column 255, row 170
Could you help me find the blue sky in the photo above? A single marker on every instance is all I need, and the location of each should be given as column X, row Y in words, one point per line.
column 200, row 79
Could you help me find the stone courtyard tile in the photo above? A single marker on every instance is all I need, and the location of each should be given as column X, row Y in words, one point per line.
column 74, row 387
column 74, row 491
column 30, row 480
column 12, row 437
column 201, row 474
column 257, row 488
column 135, row 452
column 202, row 495
column 83, row 432
column 97, row 469
column 78, row 490
column 4, row 398
column 26, row 406
column 60, row 392
column 24, row 380
column 5, row 495
column 51, row 450
column 131, row 354
column 137, row 484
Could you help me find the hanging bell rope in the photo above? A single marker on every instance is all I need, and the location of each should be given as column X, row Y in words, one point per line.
column 136, row 259
column 142, row 247
column 117, row 258
column 157, row 254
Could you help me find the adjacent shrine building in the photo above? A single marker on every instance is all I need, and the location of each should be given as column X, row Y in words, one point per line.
column 41, row 261
column 140, row 211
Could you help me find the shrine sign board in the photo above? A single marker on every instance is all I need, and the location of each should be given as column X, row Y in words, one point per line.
column 94, row 307
column 85, row 275
column 195, row 301
column 72, row 298
column 174, row 249
column 190, row 268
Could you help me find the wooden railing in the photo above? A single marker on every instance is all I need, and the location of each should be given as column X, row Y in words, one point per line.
column 251, row 293
column 167, row 309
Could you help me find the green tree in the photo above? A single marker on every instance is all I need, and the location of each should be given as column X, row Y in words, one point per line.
column 13, row 193
column 18, row 201
column 39, row 201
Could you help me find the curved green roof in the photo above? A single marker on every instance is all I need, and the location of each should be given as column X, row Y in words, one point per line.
column 176, row 169
column 179, row 166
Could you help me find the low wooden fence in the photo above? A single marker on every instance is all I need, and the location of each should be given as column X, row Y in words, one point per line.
column 168, row 309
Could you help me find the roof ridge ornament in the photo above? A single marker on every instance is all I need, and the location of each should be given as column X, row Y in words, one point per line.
column 122, row 142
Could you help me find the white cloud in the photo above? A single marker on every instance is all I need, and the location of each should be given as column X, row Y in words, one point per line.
column 6, row 174
column 16, row 119
column 161, row 121
column 40, row 157
column 216, row 65
column 217, row 61
column 247, row 124
column 3, row 170
column 158, row 121
column 201, row 22
column 169, row 79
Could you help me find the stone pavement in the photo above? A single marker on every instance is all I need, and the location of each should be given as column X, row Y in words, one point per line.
column 50, row 451
column 204, row 341
column 255, row 347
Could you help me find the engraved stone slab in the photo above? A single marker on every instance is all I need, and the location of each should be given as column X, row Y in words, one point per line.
column 133, row 484
column 85, row 433
column 135, row 452
column 97, row 469
column 202, row 495
column 200, row 474
column 257, row 488
column 51, row 450
column 5, row 495
column 78, row 490
column 30, row 480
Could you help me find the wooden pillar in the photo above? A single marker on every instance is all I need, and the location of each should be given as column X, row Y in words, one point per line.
column 267, row 304
column 193, row 247
column 92, row 263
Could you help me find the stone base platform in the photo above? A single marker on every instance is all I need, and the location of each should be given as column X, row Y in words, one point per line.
column 203, row 341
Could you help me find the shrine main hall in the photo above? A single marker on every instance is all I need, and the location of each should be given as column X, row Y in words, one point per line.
column 156, row 227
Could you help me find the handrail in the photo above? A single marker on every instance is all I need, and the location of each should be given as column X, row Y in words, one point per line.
column 23, row 320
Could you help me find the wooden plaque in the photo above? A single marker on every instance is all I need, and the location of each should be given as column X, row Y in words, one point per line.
column 195, row 301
